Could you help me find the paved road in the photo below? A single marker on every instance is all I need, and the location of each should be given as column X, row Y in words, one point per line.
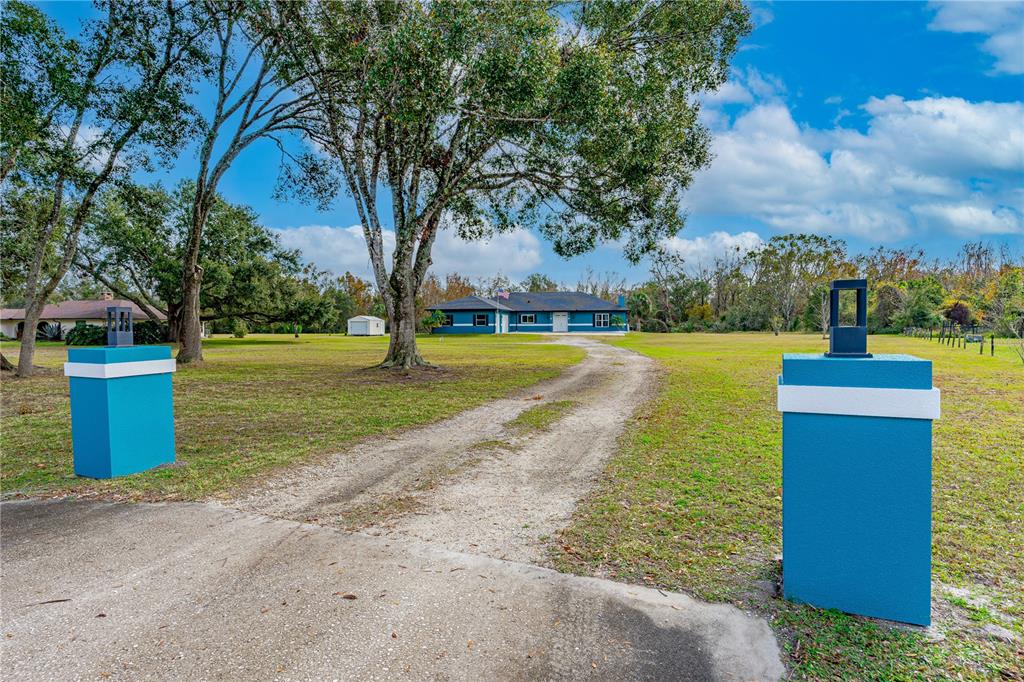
column 199, row 591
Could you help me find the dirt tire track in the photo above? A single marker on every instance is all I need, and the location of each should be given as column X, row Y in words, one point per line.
column 500, row 502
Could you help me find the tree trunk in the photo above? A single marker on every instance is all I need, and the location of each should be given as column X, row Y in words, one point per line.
column 5, row 364
column 191, row 329
column 173, row 323
column 402, row 350
column 28, row 338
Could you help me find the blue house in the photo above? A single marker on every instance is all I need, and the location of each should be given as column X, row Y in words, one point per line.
column 532, row 312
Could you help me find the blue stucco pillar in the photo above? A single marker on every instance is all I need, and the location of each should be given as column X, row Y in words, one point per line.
column 856, row 483
column 122, row 412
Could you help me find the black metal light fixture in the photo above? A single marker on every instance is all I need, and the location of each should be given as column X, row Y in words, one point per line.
column 120, row 327
column 848, row 342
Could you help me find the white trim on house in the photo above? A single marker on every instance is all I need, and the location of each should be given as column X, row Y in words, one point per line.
column 116, row 370
column 902, row 403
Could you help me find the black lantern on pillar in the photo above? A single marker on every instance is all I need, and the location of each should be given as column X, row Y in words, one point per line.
column 120, row 328
column 848, row 342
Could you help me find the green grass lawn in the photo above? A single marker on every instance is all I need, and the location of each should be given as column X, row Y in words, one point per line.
column 264, row 402
column 693, row 503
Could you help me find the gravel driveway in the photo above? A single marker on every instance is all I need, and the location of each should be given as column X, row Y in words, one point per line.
column 471, row 483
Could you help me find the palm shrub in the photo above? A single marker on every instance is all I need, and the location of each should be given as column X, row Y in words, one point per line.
column 49, row 331
column 435, row 319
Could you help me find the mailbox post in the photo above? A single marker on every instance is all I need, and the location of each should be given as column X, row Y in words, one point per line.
column 122, row 412
column 856, row 475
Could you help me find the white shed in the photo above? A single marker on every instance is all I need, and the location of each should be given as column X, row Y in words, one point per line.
column 365, row 325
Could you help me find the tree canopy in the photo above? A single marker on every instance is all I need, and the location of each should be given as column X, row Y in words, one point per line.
column 580, row 119
column 134, row 243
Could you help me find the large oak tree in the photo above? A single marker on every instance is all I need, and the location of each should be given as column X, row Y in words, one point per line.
column 253, row 100
column 579, row 119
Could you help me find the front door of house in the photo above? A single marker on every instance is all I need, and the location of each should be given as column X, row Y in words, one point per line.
column 561, row 322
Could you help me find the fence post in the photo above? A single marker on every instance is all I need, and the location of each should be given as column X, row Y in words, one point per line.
column 993, row 344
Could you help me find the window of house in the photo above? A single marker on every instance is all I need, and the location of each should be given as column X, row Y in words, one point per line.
column 527, row 318
column 601, row 319
column 480, row 320
column 449, row 320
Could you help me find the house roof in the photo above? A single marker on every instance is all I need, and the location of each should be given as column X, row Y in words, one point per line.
column 79, row 310
column 365, row 318
column 527, row 301
column 470, row 303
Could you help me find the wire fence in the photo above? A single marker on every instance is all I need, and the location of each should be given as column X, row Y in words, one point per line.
column 955, row 335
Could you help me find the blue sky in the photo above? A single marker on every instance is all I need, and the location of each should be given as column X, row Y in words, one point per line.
column 880, row 123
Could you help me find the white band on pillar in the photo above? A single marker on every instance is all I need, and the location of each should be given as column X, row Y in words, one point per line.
column 115, row 370
column 904, row 403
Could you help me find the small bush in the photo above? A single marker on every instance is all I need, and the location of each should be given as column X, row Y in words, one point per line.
column 86, row 335
column 238, row 328
column 150, row 332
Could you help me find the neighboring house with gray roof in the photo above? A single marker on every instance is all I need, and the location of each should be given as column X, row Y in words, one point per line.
column 524, row 311
column 68, row 314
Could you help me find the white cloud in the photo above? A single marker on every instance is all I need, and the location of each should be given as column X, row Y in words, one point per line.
column 743, row 87
column 731, row 92
column 704, row 250
column 946, row 134
column 337, row 249
column 917, row 166
column 510, row 253
column 761, row 14
column 973, row 219
column 341, row 249
column 88, row 146
column 1002, row 22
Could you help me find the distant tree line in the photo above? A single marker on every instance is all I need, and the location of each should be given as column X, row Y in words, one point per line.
column 783, row 286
